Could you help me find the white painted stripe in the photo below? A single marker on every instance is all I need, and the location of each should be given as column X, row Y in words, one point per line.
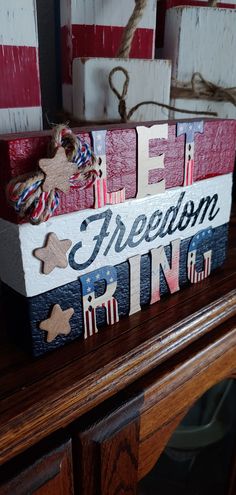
column 107, row 12
column 20, row 119
column 68, row 227
column 18, row 23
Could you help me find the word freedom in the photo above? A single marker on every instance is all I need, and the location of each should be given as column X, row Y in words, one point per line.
column 176, row 219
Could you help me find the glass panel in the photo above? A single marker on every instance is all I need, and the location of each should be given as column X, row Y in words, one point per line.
column 197, row 458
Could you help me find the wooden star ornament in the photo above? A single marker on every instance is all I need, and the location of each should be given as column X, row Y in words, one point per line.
column 57, row 323
column 57, row 171
column 53, row 254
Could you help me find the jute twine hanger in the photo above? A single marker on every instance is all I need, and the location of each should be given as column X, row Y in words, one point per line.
column 197, row 88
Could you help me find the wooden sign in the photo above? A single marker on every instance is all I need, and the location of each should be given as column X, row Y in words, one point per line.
column 20, row 95
column 93, row 28
column 68, row 277
column 202, row 39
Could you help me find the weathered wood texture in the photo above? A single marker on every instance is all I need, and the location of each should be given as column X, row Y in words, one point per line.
column 214, row 154
column 212, row 39
column 161, row 400
column 163, row 5
column 39, row 397
column 20, row 96
column 50, row 474
column 93, row 28
column 93, row 99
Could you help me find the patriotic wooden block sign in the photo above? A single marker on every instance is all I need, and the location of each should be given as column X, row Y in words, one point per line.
column 203, row 40
column 20, row 95
column 154, row 220
column 93, row 28
column 93, row 99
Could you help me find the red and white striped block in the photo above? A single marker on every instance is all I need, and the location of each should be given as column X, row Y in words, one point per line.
column 20, row 97
column 93, row 28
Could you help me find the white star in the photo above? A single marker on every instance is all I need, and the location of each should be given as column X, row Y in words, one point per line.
column 193, row 244
column 97, row 276
column 89, row 289
column 203, row 234
column 197, row 236
column 108, row 272
column 88, row 280
column 111, row 279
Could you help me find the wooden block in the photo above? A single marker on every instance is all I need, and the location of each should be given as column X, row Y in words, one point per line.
column 214, row 153
column 109, row 235
column 163, row 5
column 30, row 312
column 93, row 28
column 93, row 100
column 20, row 95
column 202, row 39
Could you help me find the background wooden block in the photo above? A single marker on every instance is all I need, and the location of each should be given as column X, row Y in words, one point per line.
column 93, row 28
column 163, row 5
column 214, row 154
column 29, row 312
column 93, row 100
column 20, row 96
column 202, row 39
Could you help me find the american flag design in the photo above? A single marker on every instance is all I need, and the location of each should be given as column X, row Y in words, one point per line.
column 102, row 197
column 106, row 300
column 193, row 275
column 189, row 129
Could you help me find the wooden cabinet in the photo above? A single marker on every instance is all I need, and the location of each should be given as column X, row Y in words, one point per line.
column 118, row 396
column 126, row 441
column 50, row 474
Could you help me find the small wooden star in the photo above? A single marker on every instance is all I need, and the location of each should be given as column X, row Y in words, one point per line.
column 57, row 171
column 57, row 323
column 53, row 254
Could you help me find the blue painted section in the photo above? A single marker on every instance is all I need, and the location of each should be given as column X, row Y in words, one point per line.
column 189, row 128
column 38, row 308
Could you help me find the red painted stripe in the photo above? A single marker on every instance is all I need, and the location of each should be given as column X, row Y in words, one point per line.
column 19, row 77
column 100, row 41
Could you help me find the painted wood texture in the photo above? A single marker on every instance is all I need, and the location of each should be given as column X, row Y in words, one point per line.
column 110, row 235
column 20, row 96
column 29, row 312
column 93, row 100
column 213, row 43
column 214, row 154
column 93, row 28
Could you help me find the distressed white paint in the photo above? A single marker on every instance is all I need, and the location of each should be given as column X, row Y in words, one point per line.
column 105, row 12
column 18, row 23
column 202, row 39
column 171, row 271
column 19, row 242
column 147, row 163
column 93, row 99
column 20, row 119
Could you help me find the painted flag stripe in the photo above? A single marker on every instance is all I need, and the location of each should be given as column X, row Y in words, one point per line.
column 19, row 77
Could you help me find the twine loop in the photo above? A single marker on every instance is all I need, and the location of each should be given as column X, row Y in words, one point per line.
column 25, row 193
column 122, row 108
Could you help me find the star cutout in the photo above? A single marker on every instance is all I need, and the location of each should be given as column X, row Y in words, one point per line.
column 57, row 171
column 53, row 254
column 57, row 323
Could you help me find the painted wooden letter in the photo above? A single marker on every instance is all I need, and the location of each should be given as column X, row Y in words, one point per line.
column 189, row 129
column 159, row 260
column 147, row 163
column 106, row 300
column 134, row 266
column 193, row 275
